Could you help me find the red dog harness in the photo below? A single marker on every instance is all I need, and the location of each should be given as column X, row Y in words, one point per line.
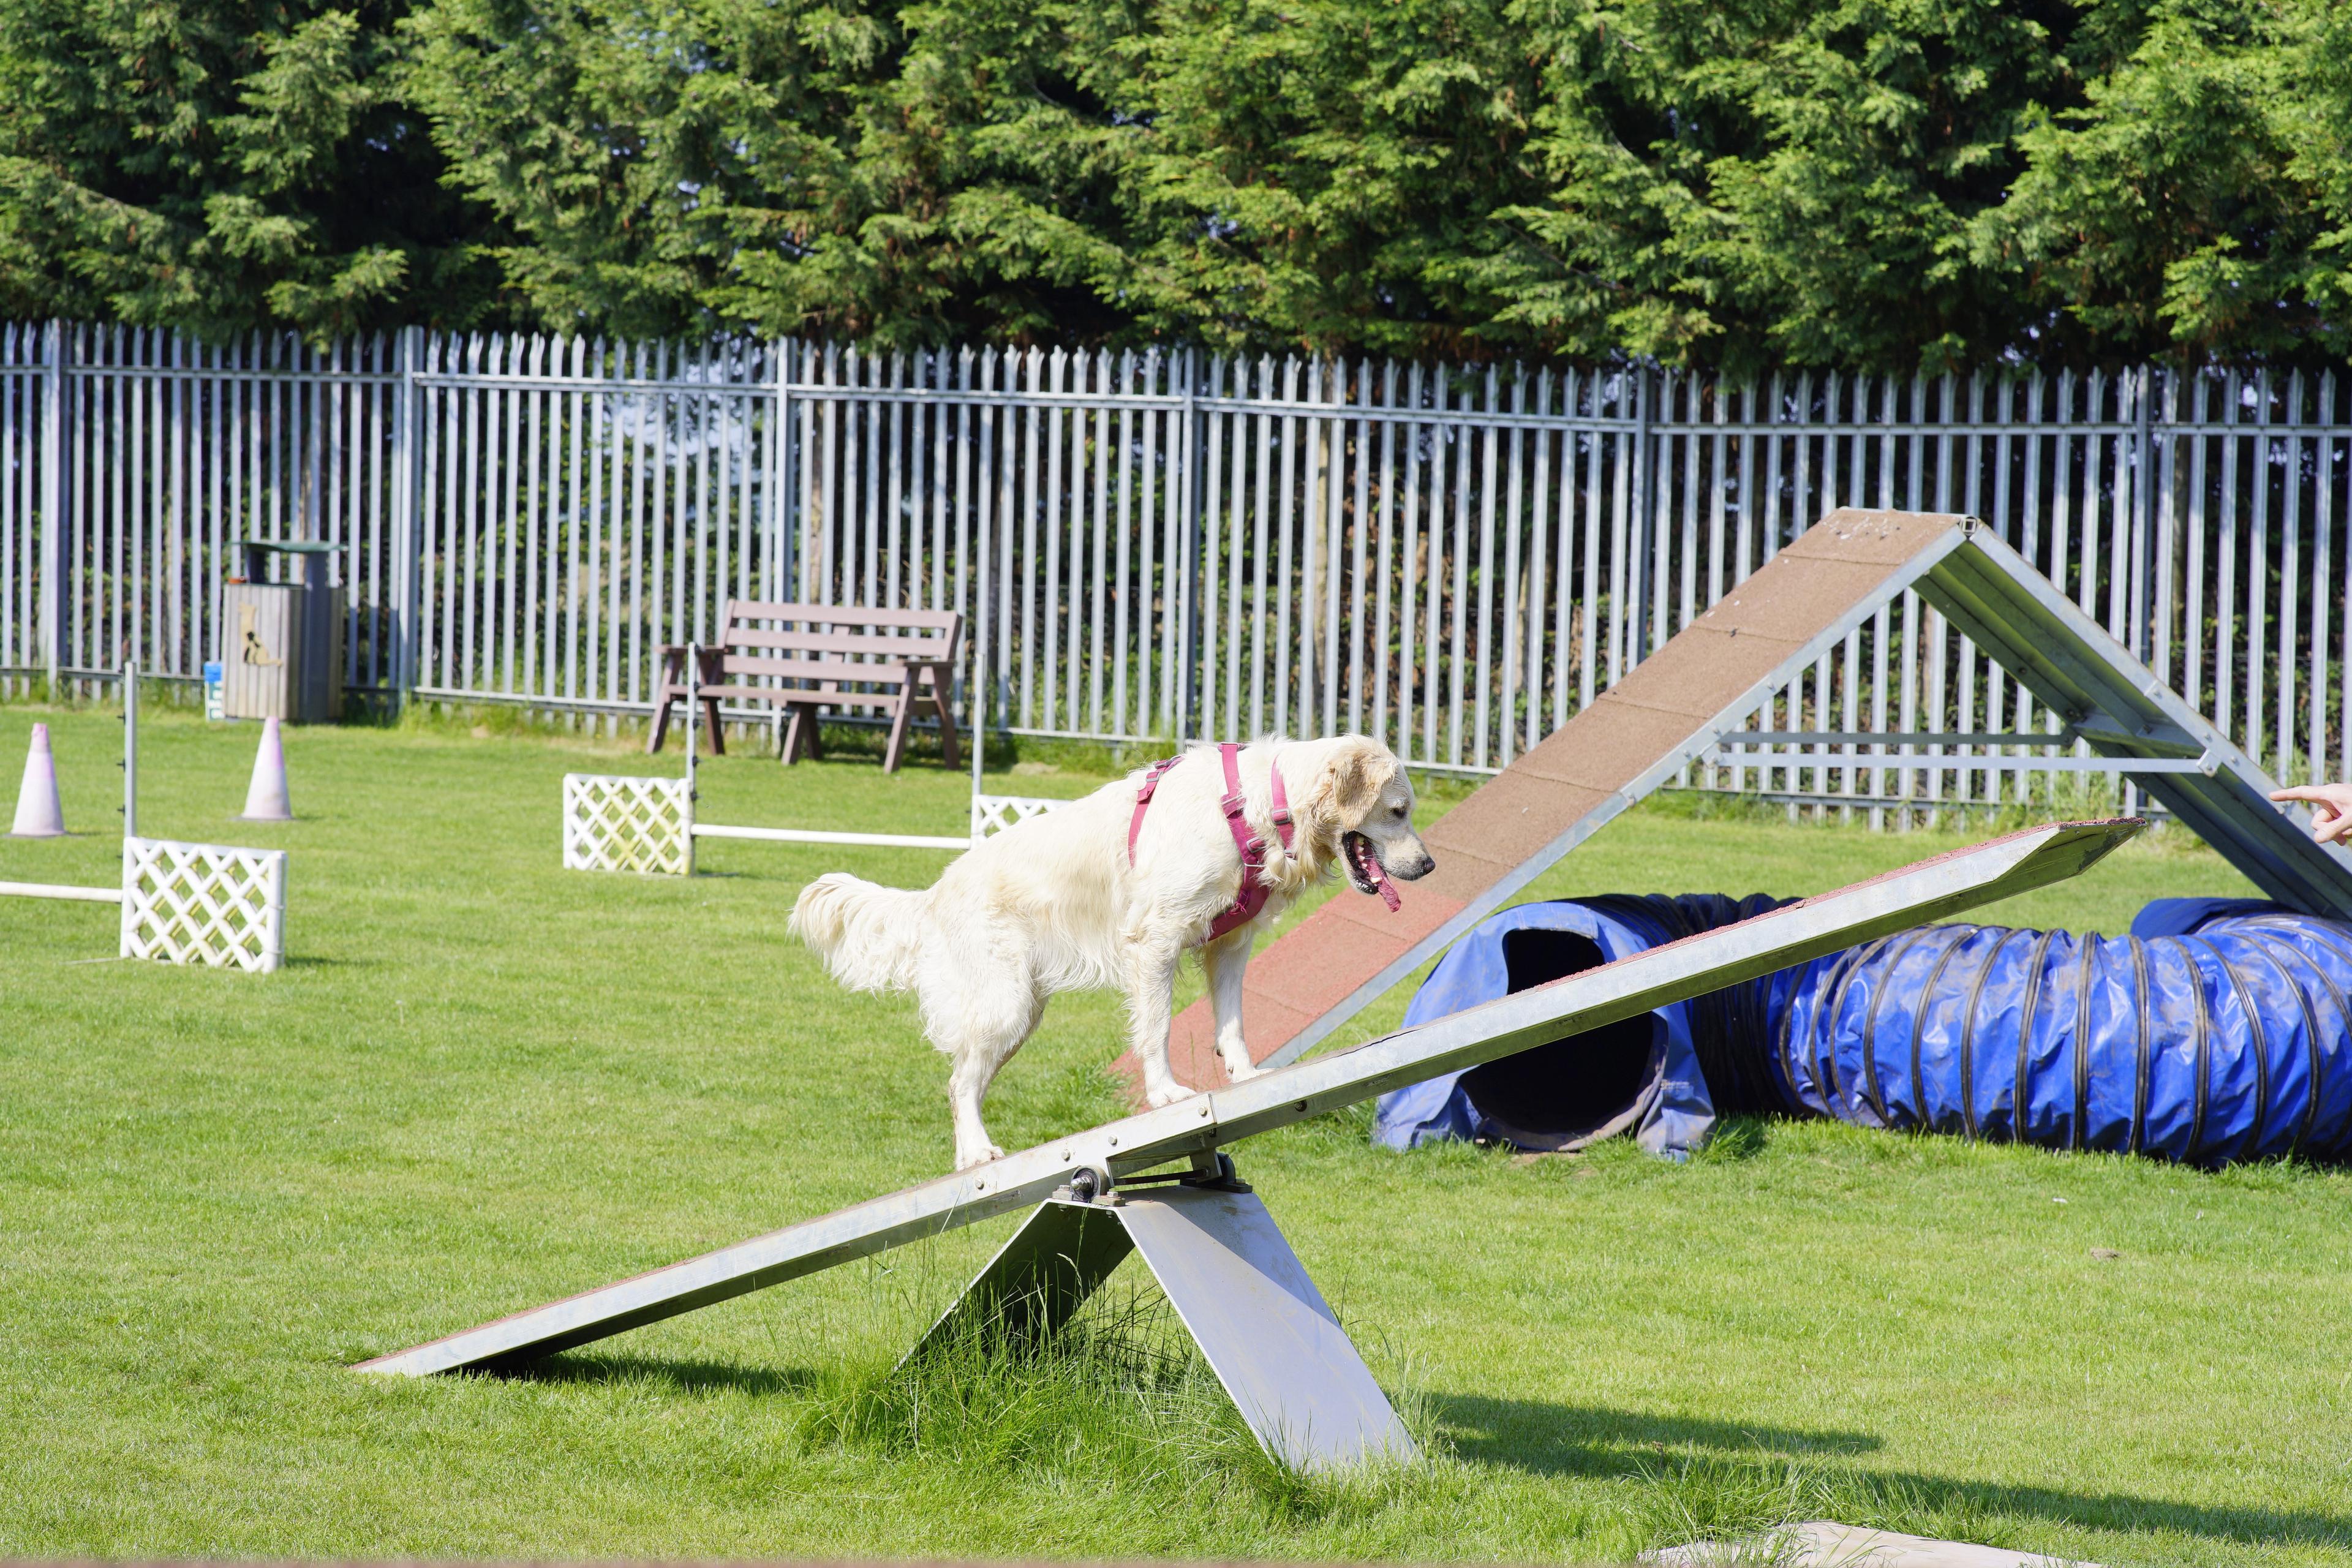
column 1252, row 847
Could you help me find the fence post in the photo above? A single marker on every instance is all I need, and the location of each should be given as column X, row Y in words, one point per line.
column 779, row 473
column 1637, row 613
column 55, row 497
column 405, row 565
column 1189, row 571
column 2143, row 586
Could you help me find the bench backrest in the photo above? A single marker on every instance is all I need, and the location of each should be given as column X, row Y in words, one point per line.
column 847, row 632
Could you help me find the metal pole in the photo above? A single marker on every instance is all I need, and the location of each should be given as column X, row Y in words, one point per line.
column 405, row 565
column 53, row 501
column 1188, row 717
column 980, row 685
column 779, row 551
column 693, row 692
column 2143, row 578
column 1637, row 613
column 2142, row 587
column 130, row 751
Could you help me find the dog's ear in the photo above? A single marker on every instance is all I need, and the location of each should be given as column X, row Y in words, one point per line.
column 1352, row 780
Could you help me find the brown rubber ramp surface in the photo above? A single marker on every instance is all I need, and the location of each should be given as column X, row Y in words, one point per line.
column 1583, row 773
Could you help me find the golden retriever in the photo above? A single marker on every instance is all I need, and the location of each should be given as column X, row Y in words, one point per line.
column 1053, row 904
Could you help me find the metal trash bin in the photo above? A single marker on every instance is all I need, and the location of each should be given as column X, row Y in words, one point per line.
column 282, row 642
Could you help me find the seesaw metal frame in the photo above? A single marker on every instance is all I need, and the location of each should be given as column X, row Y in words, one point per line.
column 1313, row 1404
column 1266, row 1332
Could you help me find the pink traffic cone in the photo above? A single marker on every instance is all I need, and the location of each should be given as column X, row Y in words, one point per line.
column 38, row 815
column 265, row 798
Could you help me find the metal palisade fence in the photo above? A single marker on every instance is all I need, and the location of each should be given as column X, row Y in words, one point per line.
column 1163, row 543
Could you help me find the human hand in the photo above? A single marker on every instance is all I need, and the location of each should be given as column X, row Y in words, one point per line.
column 2331, row 809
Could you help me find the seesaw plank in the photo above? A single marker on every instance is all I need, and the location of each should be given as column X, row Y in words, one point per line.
column 1931, row 889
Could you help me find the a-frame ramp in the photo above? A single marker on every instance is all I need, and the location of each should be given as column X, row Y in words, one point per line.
column 1264, row 1329
column 1678, row 705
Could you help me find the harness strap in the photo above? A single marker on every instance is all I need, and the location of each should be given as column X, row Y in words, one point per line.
column 1151, row 777
column 1252, row 847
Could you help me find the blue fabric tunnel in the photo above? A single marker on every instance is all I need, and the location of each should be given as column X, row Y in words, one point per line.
column 2217, row 1031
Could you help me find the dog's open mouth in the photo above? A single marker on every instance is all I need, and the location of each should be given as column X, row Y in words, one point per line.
column 1365, row 870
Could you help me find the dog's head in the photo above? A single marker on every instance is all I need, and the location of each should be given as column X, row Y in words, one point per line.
column 1360, row 808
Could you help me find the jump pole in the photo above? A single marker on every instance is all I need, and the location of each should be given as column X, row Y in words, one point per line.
column 59, row 890
column 130, row 751
column 1159, row 1184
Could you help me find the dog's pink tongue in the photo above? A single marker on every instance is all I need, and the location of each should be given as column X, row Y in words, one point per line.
column 1387, row 889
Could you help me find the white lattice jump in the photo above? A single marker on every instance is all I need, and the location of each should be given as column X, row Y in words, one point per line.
column 620, row 824
column 613, row 823
column 995, row 813
column 203, row 903
column 209, row 904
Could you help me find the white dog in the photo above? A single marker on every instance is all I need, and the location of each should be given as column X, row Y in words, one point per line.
column 1103, row 892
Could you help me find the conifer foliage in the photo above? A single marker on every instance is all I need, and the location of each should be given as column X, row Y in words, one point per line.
column 1872, row 183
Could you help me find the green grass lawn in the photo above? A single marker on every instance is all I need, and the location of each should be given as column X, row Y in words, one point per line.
column 482, row 1082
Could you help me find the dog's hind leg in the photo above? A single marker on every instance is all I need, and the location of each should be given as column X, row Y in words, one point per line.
column 1227, row 961
column 967, row 1087
column 1151, row 993
column 981, row 1038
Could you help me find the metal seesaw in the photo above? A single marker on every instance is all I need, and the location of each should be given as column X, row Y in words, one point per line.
column 1157, row 1183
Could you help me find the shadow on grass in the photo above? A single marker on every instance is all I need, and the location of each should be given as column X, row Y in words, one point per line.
column 1548, row 1439
column 662, row 1372
column 1570, row 1440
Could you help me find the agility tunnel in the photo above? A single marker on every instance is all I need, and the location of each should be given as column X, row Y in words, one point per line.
column 2217, row 1031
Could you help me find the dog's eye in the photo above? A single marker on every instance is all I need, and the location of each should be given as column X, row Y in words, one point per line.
column 1397, row 811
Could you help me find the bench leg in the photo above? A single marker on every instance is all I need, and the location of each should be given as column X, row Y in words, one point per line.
column 668, row 685
column 714, row 672
column 800, row 733
column 947, row 724
column 898, row 731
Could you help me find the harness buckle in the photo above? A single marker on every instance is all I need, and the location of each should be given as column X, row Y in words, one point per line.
column 1151, row 777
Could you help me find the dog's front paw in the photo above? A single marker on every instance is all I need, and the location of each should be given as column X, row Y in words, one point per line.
column 967, row 1159
column 1243, row 1074
column 1167, row 1094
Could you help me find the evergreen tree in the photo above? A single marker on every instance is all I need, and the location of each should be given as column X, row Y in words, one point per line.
column 2199, row 200
column 222, row 165
column 1864, row 184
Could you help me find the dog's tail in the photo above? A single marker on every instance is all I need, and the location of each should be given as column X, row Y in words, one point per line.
column 869, row 937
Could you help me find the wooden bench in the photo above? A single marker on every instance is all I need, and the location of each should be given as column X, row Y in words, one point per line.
column 898, row 658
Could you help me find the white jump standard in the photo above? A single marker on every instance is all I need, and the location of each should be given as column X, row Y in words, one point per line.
column 619, row 822
column 1166, row 1189
column 209, row 904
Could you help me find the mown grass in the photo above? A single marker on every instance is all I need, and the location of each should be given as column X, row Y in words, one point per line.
column 483, row 1082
